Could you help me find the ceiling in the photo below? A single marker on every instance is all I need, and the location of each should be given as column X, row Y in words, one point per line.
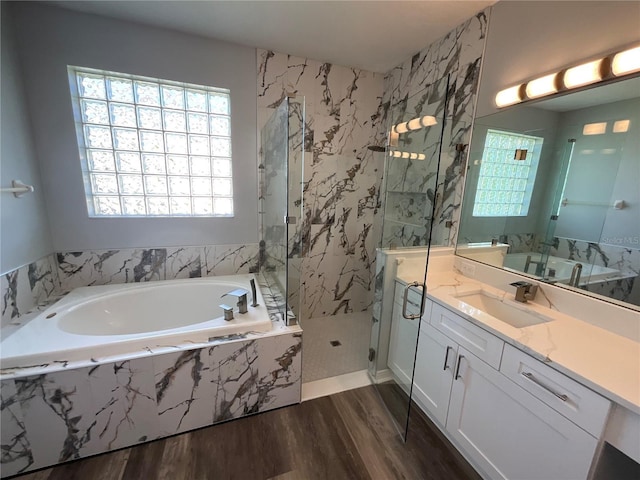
column 372, row 35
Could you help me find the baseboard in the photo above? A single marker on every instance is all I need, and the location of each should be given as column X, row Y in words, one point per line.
column 331, row 385
column 384, row 376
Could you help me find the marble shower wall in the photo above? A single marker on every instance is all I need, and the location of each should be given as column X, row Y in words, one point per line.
column 334, row 251
column 64, row 415
column 458, row 54
column 41, row 282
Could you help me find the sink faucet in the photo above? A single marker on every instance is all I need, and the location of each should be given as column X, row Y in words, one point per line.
column 525, row 291
column 241, row 294
column 575, row 275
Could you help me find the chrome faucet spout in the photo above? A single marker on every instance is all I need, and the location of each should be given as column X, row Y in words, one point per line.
column 241, row 295
column 576, row 271
column 525, row 291
column 254, row 295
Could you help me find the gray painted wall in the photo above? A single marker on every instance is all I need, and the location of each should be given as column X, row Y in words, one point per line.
column 24, row 229
column 49, row 39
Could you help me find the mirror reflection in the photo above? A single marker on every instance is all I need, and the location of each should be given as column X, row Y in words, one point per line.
column 553, row 191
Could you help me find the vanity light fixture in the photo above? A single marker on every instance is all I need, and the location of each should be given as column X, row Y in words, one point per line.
column 542, row 86
column 410, row 155
column 584, row 74
column 621, row 126
column 594, row 128
column 509, row 96
column 603, row 69
column 626, row 62
column 414, row 124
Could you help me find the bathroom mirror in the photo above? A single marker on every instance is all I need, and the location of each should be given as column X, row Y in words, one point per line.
column 552, row 190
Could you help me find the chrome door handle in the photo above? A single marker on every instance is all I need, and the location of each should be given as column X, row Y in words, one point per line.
column 530, row 376
column 457, row 375
column 406, row 300
column 446, row 357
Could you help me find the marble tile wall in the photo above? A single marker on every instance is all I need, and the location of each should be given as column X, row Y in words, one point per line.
column 458, row 54
column 334, row 252
column 37, row 284
column 64, row 415
column 624, row 259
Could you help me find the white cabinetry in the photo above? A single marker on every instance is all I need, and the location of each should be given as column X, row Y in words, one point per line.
column 511, row 434
column 510, row 415
column 435, row 362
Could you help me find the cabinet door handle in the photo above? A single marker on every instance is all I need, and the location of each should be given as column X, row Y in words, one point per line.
column 406, row 300
column 446, row 357
column 457, row 375
column 530, row 376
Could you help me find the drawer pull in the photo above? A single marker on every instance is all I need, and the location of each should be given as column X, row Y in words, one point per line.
column 446, row 358
column 530, row 376
column 406, row 300
column 457, row 375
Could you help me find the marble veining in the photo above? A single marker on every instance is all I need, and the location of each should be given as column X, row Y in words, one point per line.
column 341, row 181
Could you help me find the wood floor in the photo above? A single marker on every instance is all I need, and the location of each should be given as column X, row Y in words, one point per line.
column 344, row 436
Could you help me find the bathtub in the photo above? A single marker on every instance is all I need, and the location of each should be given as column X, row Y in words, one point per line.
column 110, row 320
column 563, row 268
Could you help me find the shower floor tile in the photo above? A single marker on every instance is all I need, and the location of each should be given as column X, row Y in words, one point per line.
column 335, row 345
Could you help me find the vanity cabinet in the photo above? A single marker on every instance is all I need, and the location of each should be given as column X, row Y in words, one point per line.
column 511, row 415
column 510, row 433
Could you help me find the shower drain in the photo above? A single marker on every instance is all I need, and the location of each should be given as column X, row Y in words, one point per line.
column 335, row 343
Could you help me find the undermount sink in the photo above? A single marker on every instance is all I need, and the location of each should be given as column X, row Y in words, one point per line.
column 510, row 314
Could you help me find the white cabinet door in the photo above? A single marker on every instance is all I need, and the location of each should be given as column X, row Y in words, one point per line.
column 435, row 361
column 402, row 347
column 511, row 434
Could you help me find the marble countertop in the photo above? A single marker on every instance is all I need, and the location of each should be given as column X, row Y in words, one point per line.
column 605, row 362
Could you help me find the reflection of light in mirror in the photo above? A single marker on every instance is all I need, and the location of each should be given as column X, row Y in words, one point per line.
column 405, row 154
column 414, row 156
column 508, row 96
column 621, row 126
column 393, row 138
column 397, row 154
column 583, row 74
column 608, row 151
column 594, row 128
column 542, row 86
column 476, row 162
column 400, row 128
column 414, row 124
column 626, row 62
column 428, row 121
column 587, row 152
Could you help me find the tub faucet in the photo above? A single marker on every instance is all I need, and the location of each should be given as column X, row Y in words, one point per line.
column 254, row 295
column 576, row 271
column 241, row 294
column 525, row 291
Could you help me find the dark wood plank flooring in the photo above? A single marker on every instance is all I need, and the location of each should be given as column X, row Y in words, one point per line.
column 344, row 436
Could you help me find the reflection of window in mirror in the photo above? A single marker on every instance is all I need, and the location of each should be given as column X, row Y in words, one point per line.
column 507, row 174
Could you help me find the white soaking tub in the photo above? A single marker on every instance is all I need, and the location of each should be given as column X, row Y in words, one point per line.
column 109, row 320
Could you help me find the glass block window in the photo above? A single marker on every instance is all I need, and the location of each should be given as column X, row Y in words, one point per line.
column 152, row 148
column 505, row 184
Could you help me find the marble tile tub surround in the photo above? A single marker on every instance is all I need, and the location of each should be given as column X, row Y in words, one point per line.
column 63, row 415
column 459, row 54
column 43, row 281
column 335, row 250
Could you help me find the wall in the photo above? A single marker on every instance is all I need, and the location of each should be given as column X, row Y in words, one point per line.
column 335, row 252
column 49, row 39
column 459, row 54
column 529, row 38
column 24, row 228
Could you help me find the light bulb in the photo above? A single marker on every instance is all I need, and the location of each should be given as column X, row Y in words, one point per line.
column 421, row 156
column 414, row 156
column 626, row 62
column 583, row 74
column 401, row 128
column 397, row 154
column 542, row 86
column 414, row 124
column 508, row 96
column 405, row 154
column 428, row 120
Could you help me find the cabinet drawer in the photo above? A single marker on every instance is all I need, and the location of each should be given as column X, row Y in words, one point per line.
column 413, row 299
column 582, row 406
column 481, row 343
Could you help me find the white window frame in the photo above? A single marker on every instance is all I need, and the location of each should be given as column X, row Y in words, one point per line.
column 505, row 185
column 191, row 158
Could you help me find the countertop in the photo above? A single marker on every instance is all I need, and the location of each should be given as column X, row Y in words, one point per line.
column 607, row 363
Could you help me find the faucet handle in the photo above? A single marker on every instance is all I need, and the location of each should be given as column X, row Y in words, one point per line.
column 238, row 292
column 521, row 284
column 228, row 312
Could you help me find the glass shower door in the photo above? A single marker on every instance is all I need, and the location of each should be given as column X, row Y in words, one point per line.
column 281, row 170
column 411, row 200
